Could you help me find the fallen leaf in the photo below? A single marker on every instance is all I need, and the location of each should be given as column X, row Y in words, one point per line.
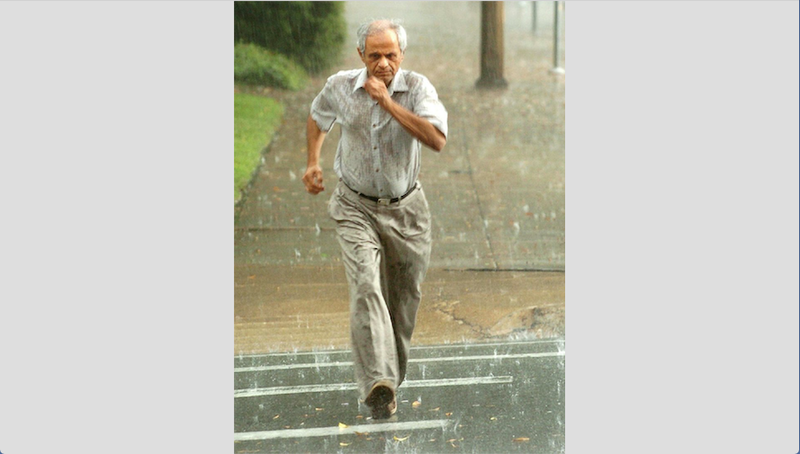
column 432, row 440
column 434, row 409
column 341, row 443
column 319, row 409
column 400, row 439
column 451, row 440
column 521, row 439
column 251, row 277
column 342, row 426
column 416, row 404
column 493, row 418
column 361, row 434
column 360, row 417
column 287, row 427
column 449, row 414
column 276, row 416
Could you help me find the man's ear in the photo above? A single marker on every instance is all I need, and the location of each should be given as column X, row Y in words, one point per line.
column 359, row 52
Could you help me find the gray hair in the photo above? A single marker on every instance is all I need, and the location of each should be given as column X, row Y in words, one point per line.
column 370, row 28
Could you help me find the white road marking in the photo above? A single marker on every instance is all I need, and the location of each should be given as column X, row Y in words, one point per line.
column 279, row 390
column 412, row 360
column 327, row 431
column 292, row 366
column 488, row 344
column 421, row 347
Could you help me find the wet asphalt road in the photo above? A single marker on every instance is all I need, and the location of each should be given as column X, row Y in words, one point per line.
column 495, row 397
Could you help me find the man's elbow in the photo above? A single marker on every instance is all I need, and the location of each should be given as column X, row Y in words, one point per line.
column 439, row 141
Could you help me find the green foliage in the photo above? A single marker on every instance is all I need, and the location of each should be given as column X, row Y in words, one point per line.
column 257, row 66
column 255, row 120
column 310, row 33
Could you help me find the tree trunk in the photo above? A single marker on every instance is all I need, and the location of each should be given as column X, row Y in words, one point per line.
column 491, row 46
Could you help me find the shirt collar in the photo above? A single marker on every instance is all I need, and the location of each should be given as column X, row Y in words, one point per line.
column 398, row 82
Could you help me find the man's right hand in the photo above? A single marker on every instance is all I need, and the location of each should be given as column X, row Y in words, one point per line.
column 313, row 180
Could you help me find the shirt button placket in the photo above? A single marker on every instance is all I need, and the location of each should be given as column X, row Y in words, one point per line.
column 376, row 154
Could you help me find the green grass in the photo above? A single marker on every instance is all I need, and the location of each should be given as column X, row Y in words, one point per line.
column 257, row 66
column 255, row 121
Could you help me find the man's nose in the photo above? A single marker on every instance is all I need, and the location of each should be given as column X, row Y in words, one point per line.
column 383, row 62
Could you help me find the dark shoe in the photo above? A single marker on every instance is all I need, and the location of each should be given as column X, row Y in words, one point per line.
column 381, row 400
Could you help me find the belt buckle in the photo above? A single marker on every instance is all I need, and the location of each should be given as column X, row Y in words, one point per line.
column 384, row 202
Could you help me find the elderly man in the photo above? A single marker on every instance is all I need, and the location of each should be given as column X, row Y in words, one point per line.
column 382, row 219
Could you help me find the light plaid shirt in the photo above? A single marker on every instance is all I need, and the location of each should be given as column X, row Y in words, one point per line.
column 376, row 155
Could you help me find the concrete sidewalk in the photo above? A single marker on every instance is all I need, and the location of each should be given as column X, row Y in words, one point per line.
column 496, row 194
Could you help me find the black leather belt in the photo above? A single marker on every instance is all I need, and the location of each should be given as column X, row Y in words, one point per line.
column 379, row 200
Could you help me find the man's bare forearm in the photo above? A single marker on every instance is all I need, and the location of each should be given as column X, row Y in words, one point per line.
column 313, row 176
column 314, row 139
column 417, row 126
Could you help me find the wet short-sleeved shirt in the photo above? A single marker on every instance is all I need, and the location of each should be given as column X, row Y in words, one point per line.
column 376, row 155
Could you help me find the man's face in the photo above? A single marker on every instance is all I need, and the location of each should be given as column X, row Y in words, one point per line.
column 382, row 55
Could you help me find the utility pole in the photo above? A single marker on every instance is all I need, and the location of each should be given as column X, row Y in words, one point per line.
column 491, row 46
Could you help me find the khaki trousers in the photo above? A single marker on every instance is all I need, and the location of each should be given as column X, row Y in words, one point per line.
column 386, row 250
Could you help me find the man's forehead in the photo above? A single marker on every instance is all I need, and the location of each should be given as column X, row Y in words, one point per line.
column 382, row 41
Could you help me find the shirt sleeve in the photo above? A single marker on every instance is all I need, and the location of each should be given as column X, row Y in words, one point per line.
column 430, row 108
column 323, row 109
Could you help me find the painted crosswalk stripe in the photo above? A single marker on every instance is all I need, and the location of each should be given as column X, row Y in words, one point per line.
column 413, row 360
column 415, row 348
column 327, row 431
column 280, row 390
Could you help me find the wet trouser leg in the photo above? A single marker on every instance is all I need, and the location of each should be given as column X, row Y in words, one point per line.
column 385, row 250
column 407, row 260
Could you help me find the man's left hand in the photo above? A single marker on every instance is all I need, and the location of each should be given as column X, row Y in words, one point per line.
column 377, row 89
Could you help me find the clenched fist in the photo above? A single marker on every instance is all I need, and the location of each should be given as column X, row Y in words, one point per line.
column 313, row 180
column 376, row 88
